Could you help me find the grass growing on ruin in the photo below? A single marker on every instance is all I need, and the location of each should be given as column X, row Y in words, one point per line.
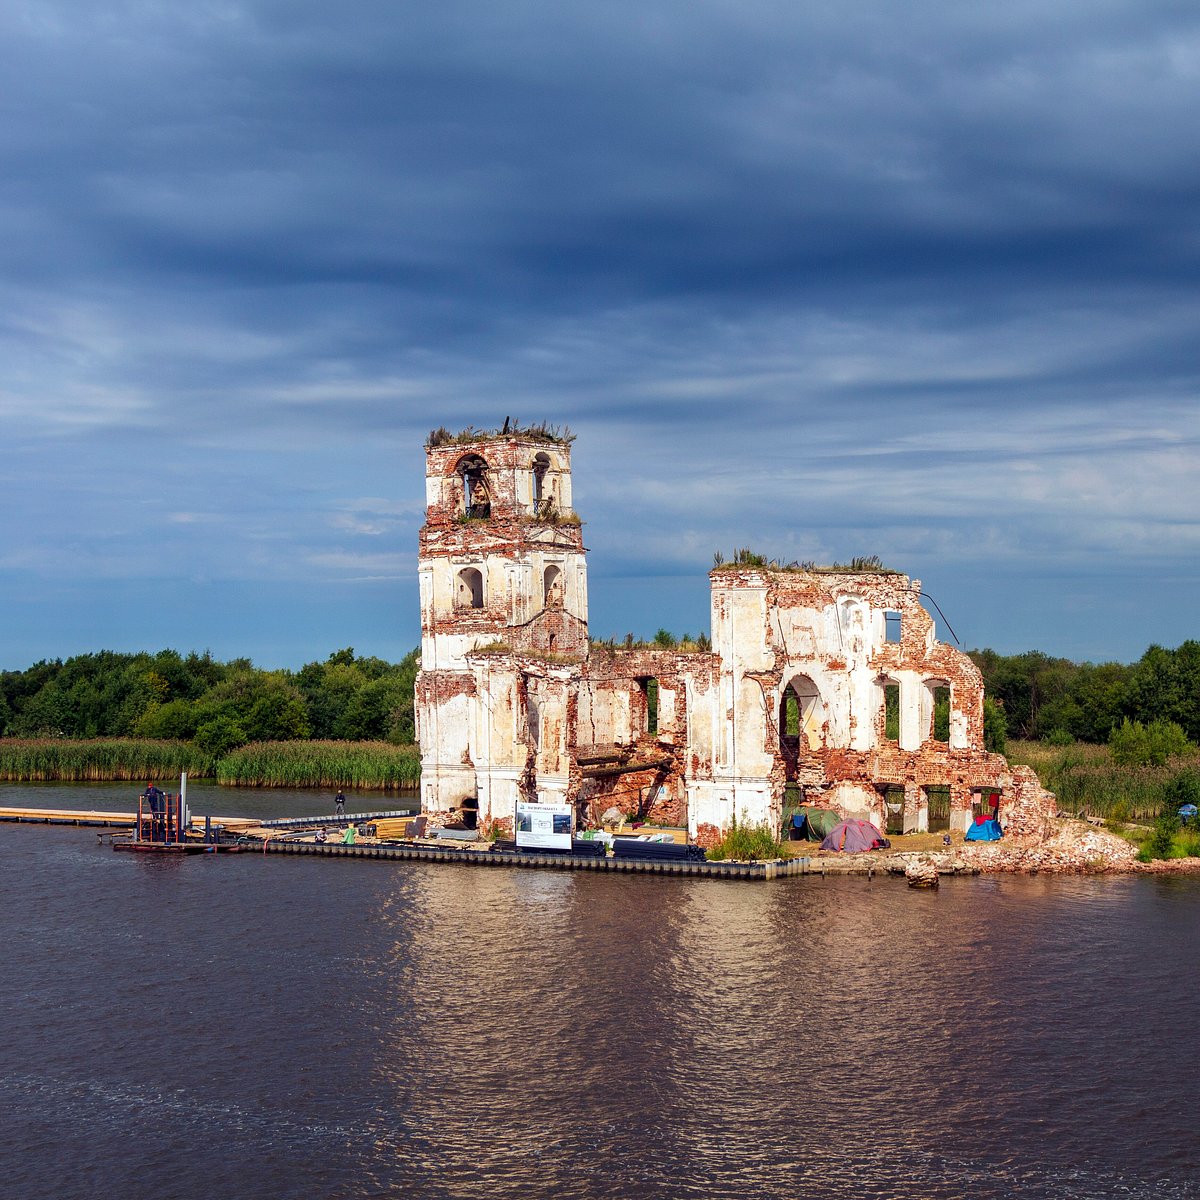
column 378, row 766
column 743, row 842
column 1087, row 780
column 746, row 559
column 96, row 760
column 541, row 431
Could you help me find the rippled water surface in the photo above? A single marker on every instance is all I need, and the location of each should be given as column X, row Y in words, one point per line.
column 252, row 1026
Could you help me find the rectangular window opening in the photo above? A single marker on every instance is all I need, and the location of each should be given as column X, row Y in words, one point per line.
column 937, row 797
column 891, row 627
column 893, row 799
column 940, row 720
column 891, row 712
column 650, row 694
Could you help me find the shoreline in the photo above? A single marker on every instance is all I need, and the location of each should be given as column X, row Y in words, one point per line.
column 1070, row 847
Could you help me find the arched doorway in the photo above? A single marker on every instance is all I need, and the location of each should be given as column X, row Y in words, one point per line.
column 801, row 723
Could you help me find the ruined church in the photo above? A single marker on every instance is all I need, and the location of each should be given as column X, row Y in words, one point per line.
column 821, row 686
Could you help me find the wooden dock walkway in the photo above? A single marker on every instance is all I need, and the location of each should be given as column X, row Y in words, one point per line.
column 70, row 816
column 66, row 816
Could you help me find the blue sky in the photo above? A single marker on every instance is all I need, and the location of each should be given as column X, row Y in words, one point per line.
column 911, row 280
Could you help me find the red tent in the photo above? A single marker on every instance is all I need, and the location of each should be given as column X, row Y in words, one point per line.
column 853, row 836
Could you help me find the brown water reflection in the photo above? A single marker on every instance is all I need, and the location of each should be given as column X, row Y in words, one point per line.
column 371, row 1029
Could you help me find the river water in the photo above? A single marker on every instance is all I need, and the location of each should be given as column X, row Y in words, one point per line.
column 270, row 1026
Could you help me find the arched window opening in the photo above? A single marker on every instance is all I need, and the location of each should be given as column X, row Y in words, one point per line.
column 552, row 587
column 477, row 499
column 470, row 589
column 801, row 714
column 541, row 465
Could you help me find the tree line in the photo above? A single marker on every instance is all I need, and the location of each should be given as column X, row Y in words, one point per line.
column 1056, row 700
column 217, row 706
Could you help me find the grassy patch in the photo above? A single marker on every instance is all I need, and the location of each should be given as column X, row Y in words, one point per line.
column 744, row 842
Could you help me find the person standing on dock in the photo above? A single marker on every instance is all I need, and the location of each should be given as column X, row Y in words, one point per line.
column 339, row 802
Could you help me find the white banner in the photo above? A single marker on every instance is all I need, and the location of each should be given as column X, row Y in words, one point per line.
column 544, row 825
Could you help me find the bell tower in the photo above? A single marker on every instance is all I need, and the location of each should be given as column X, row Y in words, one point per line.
column 502, row 571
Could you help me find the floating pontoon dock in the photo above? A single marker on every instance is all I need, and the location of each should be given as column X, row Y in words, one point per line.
column 467, row 856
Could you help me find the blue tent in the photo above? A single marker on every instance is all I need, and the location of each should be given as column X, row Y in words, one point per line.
column 985, row 831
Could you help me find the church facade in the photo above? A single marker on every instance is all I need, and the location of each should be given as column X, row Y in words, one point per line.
column 821, row 686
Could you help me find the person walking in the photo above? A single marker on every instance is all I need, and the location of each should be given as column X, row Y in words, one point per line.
column 339, row 802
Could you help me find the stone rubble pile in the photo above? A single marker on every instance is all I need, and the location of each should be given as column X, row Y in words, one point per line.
column 1073, row 848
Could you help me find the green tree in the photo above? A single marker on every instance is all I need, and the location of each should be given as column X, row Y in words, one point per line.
column 1166, row 686
column 995, row 727
column 177, row 719
column 1133, row 744
column 220, row 735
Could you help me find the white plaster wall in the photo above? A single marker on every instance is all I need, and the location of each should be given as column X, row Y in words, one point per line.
column 666, row 710
column 799, row 632
column 448, row 651
column 753, row 758
column 912, row 685
column 852, row 630
column 701, row 722
column 602, row 714
column 738, row 623
column 500, row 720
column 716, row 803
column 447, row 730
column 959, row 734
column 856, row 800
column 577, row 603
column 499, row 790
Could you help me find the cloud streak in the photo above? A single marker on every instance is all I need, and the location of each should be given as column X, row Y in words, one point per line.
column 913, row 281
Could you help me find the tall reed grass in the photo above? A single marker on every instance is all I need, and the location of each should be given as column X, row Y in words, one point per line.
column 376, row 766
column 95, row 760
column 1087, row 781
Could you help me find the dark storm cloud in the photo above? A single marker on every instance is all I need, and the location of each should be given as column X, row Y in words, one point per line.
column 919, row 278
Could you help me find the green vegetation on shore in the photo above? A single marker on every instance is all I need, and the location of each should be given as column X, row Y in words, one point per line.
column 746, row 843
column 368, row 765
column 325, row 764
column 1056, row 700
column 347, row 721
column 47, row 760
column 214, row 706
column 1088, row 780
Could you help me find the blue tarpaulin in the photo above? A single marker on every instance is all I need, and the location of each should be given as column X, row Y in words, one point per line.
column 985, row 831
